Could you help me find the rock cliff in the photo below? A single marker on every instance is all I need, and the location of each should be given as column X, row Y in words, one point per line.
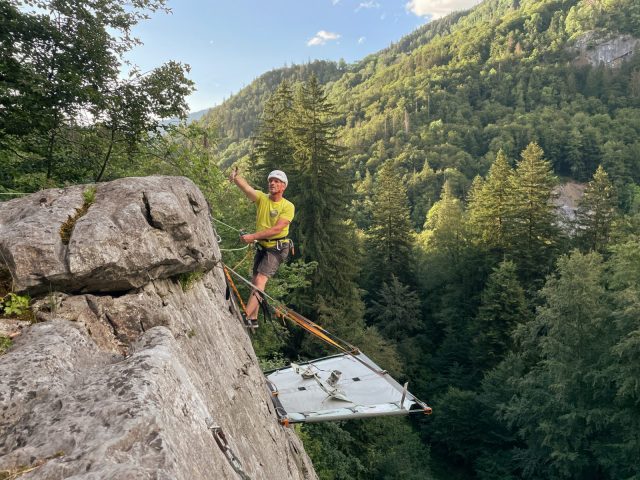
column 130, row 373
column 610, row 52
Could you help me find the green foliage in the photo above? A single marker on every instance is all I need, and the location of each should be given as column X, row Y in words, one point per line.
column 66, row 229
column 396, row 310
column 331, row 463
column 14, row 304
column 321, row 189
column 390, row 237
column 292, row 278
column 89, row 196
column 567, row 406
column 391, row 449
column 5, row 344
column 533, row 230
column 373, row 448
column 188, row 279
column 445, row 229
column 490, row 206
column 274, row 362
column 274, row 142
column 66, row 112
column 503, row 306
column 596, row 213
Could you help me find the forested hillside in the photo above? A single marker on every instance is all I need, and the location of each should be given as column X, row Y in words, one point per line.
column 459, row 89
column 425, row 178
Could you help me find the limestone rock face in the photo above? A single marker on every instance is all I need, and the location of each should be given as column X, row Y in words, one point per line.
column 129, row 384
column 138, row 229
column 610, row 52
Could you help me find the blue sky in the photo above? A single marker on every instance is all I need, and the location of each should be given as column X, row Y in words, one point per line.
column 230, row 43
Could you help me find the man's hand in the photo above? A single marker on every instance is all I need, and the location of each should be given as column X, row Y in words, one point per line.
column 248, row 238
column 233, row 175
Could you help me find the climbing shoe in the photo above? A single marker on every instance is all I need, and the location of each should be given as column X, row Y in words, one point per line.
column 249, row 322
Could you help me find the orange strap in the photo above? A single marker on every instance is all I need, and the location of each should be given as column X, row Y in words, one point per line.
column 312, row 328
column 235, row 289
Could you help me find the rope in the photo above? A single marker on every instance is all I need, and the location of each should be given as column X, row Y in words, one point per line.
column 220, row 239
column 225, row 224
column 301, row 321
column 235, row 289
column 243, row 259
column 234, row 249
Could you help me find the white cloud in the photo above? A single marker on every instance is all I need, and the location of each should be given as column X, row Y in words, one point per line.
column 438, row 8
column 361, row 40
column 323, row 37
column 369, row 4
column 335, row 2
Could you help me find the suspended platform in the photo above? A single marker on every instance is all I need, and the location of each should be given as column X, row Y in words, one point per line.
column 338, row 387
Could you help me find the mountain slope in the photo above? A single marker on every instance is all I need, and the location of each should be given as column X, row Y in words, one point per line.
column 448, row 96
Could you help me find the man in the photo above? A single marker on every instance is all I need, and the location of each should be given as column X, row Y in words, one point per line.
column 274, row 213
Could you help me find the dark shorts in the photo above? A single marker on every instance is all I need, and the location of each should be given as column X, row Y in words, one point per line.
column 267, row 260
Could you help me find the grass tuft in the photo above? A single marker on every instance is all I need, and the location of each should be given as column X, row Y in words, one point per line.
column 188, row 279
column 89, row 196
column 5, row 344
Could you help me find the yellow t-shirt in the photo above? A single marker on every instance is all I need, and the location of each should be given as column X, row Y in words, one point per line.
column 268, row 213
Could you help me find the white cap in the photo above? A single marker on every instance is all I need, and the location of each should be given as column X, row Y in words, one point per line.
column 280, row 175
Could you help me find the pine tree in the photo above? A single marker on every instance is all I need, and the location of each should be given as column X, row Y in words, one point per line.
column 273, row 143
column 390, row 238
column 396, row 311
column 322, row 194
column 490, row 205
column 445, row 228
column 533, row 233
column 625, row 371
column 563, row 404
column 596, row 212
column 503, row 307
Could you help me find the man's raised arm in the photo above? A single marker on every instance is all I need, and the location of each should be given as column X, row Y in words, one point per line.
column 243, row 185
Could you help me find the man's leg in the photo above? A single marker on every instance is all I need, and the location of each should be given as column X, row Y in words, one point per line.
column 253, row 305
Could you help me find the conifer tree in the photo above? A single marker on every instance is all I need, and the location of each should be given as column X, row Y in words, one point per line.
column 390, row 238
column 533, row 232
column 322, row 194
column 563, row 404
column 489, row 207
column 396, row 311
column 596, row 212
column 273, row 144
column 625, row 283
column 445, row 227
column 503, row 307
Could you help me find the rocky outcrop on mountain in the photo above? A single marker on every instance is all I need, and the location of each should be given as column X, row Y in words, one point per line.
column 131, row 372
column 138, row 230
column 611, row 52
